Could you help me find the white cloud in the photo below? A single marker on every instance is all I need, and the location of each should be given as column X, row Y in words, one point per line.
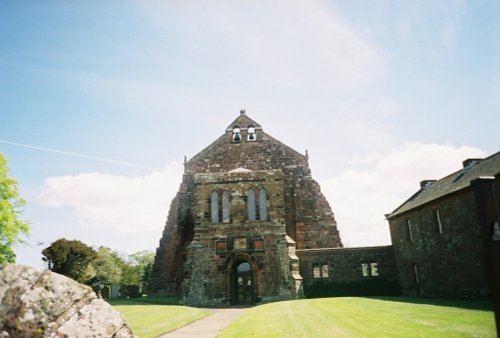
column 118, row 203
column 281, row 44
column 361, row 197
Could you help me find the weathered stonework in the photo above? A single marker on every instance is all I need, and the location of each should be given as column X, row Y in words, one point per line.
column 46, row 304
column 440, row 237
column 349, row 271
column 211, row 243
column 446, row 263
column 225, row 243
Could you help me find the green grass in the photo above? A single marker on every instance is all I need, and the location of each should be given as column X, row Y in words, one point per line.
column 365, row 317
column 152, row 316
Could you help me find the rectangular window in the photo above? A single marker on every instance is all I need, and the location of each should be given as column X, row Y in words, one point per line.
column 439, row 224
column 370, row 269
column 410, row 231
column 316, row 271
column 320, row 270
column 365, row 269
column 324, row 271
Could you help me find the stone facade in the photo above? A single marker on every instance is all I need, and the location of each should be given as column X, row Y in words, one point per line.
column 249, row 224
column 440, row 240
column 245, row 204
column 349, row 271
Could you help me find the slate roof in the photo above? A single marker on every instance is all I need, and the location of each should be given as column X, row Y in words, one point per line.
column 457, row 181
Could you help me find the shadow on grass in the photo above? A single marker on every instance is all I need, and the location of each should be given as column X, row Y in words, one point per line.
column 469, row 304
column 157, row 300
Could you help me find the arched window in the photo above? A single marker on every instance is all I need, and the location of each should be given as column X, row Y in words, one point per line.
column 262, row 205
column 214, row 207
column 251, row 205
column 225, row 207
column 236, row 134
column 251, row 136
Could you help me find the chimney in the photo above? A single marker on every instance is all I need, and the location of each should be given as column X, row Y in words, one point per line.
column 426, row 183
column 471, row 161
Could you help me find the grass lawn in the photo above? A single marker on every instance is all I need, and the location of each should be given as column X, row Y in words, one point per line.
column 152, row 316
column 366, row 317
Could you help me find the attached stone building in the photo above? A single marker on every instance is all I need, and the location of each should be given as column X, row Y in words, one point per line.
column 364, row 271
column 442, row 234
column 245, row 204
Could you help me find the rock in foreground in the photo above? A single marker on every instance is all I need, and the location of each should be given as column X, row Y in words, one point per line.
column 46, row 304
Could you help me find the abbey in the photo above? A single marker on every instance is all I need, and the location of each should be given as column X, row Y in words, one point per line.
column 245, row 204
column 249, row 225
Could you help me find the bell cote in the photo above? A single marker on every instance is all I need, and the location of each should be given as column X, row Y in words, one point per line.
column 243, row 129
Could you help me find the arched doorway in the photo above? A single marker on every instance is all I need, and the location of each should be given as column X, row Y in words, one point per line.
column 242, row 289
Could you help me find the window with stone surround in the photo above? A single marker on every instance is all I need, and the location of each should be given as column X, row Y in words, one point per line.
column 220, row 211
column 214, row 207
column 370, row 269
column 251, row 205
column 226, row 214
column 320, row 270
column 262, row 205
column 365, row 269
column 257, row 208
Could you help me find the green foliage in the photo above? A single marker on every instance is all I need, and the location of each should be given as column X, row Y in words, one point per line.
column 150, row 317
column 69, row 258
column 11, row 206
column 104, row 269
column 100, row 268
column 143, row 261
column 363, row 317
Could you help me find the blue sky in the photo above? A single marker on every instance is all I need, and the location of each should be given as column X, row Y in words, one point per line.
column 382, row 94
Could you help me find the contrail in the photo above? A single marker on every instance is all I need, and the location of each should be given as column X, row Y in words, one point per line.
column 29, row 146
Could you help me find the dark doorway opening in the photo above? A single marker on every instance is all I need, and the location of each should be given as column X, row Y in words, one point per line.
column 242, row 284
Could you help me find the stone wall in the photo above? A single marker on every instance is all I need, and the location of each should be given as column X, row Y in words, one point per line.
column 217, row 248
column 367, row 271
column 303, row 212
column 46, row 304
column 440, row 260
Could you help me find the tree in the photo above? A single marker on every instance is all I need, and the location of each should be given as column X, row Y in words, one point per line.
column 144, row 261
column 11, row 206
column 69, row 258
column 105, row 269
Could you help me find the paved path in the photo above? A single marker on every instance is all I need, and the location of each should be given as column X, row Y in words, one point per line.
column 208, row 327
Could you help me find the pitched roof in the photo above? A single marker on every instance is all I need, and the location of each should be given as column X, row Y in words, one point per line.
column 457, row 181
column 243, row 121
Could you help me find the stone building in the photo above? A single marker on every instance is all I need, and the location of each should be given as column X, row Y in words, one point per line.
column 442, row 234
column 250, row 225
column 245, row 204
